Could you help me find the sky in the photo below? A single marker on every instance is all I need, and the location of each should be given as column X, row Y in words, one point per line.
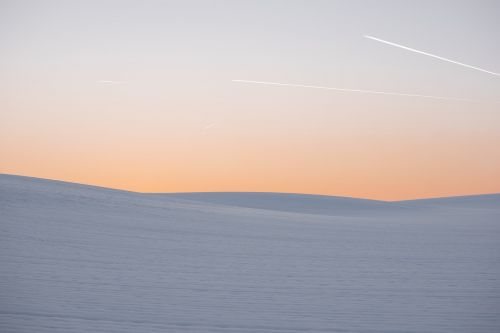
column 138, row 95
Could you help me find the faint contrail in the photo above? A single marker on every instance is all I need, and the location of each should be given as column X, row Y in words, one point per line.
column 356, row 90
column 430, row 55
column 209, row 126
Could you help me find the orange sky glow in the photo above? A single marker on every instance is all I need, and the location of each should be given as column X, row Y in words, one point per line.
column 138, row 99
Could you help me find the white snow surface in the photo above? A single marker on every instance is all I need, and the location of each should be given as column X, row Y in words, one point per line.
column 77, row 258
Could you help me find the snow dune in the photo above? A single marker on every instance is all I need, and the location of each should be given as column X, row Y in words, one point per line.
column 485, row 201
column 77, row 258
column 295, row 203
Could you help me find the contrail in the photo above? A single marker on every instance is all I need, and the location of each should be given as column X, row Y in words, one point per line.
column 355, row 90
column 430, row 55
column 209, row 126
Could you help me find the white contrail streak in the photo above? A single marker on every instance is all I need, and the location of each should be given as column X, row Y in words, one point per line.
column 355, row 90
column 430, row 55
column 209, row 126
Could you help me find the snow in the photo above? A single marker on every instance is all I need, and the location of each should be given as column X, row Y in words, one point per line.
column 77, row 258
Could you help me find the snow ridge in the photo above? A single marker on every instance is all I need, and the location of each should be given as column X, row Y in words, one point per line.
column 77, row 258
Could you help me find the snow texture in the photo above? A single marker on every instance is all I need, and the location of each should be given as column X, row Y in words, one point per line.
column 76, row 258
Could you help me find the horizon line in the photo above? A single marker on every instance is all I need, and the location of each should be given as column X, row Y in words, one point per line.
column 270, row 192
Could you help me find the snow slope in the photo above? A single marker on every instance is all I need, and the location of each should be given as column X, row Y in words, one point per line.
column 485, row 201
column 296, row 203
column 77, row 258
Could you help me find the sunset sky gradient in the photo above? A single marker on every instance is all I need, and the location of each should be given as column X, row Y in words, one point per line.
column 138, row 95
